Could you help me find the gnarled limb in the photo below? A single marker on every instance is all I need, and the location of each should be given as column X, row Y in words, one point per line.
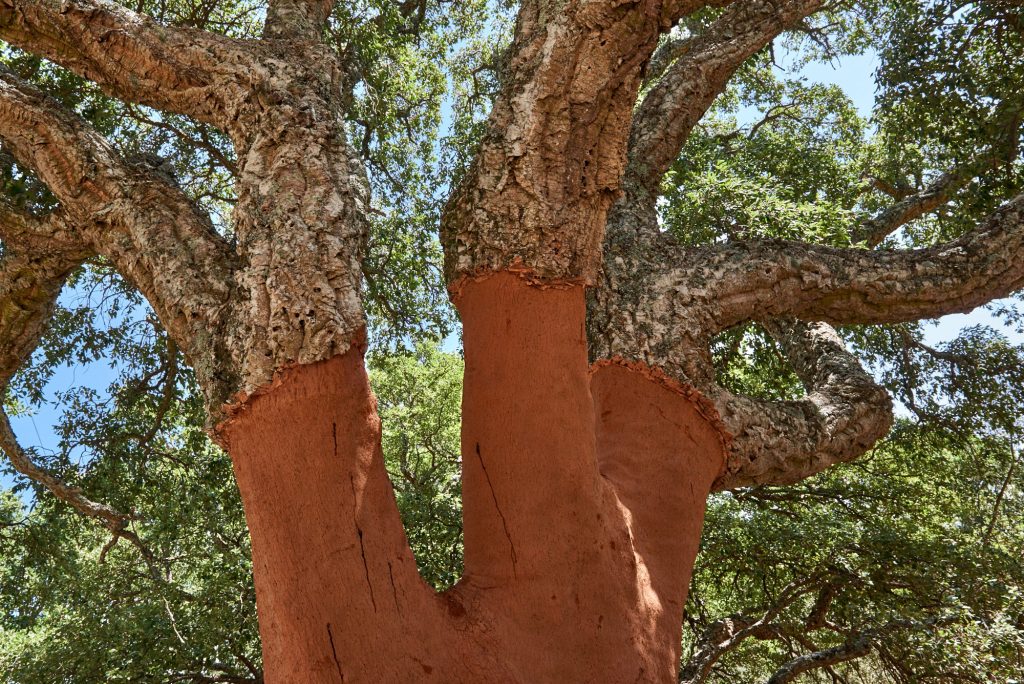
column 654, row 314
column 131, row 56
column 844, row 414
column 549, row 167
column 705, row 63
column 762, row 279
column 858, row 648
column 131, row 214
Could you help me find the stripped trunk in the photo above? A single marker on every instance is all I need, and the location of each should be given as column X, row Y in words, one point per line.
column 578, row 555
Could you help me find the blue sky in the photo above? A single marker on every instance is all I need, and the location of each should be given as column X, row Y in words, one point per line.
column 853, row 74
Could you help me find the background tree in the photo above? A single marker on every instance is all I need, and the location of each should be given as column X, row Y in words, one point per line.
column 239, row 210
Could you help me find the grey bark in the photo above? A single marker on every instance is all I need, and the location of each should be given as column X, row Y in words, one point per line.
column 537, row 195
column 288, row 291
column 647, row 311
column 857, row 648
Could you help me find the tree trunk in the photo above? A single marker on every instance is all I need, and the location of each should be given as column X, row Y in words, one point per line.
column 584, row 493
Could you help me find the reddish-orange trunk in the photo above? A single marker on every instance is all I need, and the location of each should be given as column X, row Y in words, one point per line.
column 583, row 492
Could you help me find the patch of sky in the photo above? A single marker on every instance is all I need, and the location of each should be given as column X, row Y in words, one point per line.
column 37, row 424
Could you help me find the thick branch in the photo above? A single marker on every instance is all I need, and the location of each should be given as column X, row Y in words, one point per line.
column 651, row 311
column 550, row 165
column 132, row 57
column 677, row 102
column 857, row 648
column 130, row 213
column 844, row 414
column 763, row 279
column 883, row 224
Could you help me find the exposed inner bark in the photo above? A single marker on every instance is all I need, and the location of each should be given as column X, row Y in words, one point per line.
column 582, row 512
column 334, row 574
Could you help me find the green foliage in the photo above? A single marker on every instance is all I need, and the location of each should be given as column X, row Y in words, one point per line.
column 191, row 614
column 419, row 397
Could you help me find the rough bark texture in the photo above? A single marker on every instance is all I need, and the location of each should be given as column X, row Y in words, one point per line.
column 643, row 311
column 577, row 556
column 131, row 56
column 300, row 220
column 288, row 292
column 844, row 414
column 550, row 165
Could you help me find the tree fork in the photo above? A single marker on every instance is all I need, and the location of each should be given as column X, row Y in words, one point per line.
column 576, row 549
column 578, row 556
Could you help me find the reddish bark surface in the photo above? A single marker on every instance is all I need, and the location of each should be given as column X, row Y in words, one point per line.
column 583, row 499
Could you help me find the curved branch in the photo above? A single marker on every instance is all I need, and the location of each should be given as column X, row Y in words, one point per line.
column 912, row 206
column 852, row 650
column 651, row 311
column 764, row 279
column 130, row 213
column 132, row 57
column 844, row 414
column 883, row 224
column 725, row 634
column 705, row 63
column 718, row 639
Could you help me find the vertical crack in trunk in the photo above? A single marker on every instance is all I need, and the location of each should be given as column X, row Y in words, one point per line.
column 362, row 547
column 334, row 652
column 394, row 589
column 494, row 497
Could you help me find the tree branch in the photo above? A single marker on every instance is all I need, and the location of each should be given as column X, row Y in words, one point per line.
column 913, row 205
column 705, row 63
column 130, row 213
column 550, row 165
column 907, row 208
column 132, row 57
column 726, row 634
column 765, row 279
column 781, row 442
column 858, row 648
